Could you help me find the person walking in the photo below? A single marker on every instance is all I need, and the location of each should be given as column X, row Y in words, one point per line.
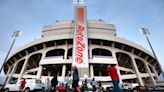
column 68, row 81
column 112, row 71
column 47, row 85
column 54, row 82
column 75, row 79
column 22, row 85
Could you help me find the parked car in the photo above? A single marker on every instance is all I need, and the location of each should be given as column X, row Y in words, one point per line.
column 127, row 86
column 61, row 87
column 142, row 88
column 31, row 85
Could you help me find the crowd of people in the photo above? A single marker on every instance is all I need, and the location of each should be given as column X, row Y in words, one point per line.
column 71, row 84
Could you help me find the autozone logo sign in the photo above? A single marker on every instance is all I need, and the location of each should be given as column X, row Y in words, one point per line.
column 80, row 52
column 80, row 45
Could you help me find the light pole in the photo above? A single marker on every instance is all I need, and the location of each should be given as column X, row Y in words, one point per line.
column 145, row 31
column 78, row 2
column 15, row 34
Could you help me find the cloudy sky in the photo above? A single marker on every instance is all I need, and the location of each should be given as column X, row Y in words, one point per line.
column 127, row 15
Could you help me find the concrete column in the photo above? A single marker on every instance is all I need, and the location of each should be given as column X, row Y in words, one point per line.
column 115, row 58
column 40, row 69
column 65, row 58
column 66, row 51
column 90, row 50
column 23, row 68
column 91, row 71
column 10, row 74
column 156, row 73
column 137, row 72
column 39, row 73
column 7, row 76
column 65, row 54
column 150, row 74
column 63, row 71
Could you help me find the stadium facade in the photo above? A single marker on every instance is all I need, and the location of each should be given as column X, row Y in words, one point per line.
column 89, row 44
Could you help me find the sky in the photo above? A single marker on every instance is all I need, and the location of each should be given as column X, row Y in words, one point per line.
column 127, row 15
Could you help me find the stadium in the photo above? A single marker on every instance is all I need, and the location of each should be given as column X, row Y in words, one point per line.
column 59, row 48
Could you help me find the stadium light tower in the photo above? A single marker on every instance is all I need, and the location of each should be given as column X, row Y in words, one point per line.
column 78, row 2
column 145, row 32
column 15, row 35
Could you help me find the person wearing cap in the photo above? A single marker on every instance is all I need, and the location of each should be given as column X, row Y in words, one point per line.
column 112, row 71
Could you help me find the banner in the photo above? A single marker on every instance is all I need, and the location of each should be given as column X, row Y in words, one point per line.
column 80, row 40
